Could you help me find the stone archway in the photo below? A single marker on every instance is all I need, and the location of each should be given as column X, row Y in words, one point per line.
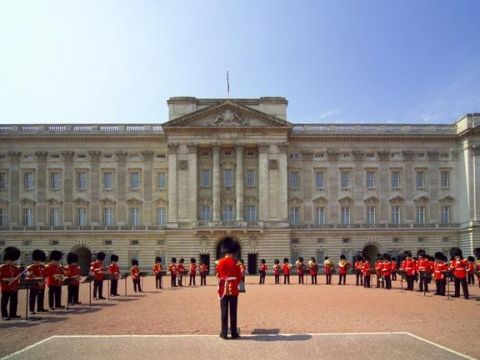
column 84, row 259
column 371, row 250
column 238, row 253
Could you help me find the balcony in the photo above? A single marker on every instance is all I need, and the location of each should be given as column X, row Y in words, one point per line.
column 230, row 224
column 82, row 129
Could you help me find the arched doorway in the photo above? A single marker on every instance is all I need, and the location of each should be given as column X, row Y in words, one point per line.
column 84, row 259
column 371, row 251
column 237, row 254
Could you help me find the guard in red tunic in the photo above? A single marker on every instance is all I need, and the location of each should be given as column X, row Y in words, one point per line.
column 180, row 271
column 366, row 268
column 378, row 271
column 114, row 270
column 97, row 270
column 157, row 272
column 459, row 267
column 343, row 266
column 135, row 274
column 243, row 269
column 394, row 268
column 276, row 271
column 203, row 273
column 476, row 251
column 173, row 272
column 313, row 270
column 358, row 270
column 439, row 270
column 10, row 279
column 262, row 270
column 72, row 273
column 387, row 271
column 300, row 266
column 192, row 271
column 408, row 265
column 37, row 271
column 286, row 271
column 328, row 268
column 229, row 276
column 423, row 269
column 471, row 270
column 54, row 275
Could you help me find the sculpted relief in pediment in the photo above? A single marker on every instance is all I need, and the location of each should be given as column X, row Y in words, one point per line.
column 229, row 118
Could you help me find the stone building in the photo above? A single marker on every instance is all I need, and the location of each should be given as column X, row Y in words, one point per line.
column 237, row 167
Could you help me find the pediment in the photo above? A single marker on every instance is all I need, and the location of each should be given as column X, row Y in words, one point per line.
column 133, row 201
column 371, row 200
column 346, row 200
column 160, row 202
column 295, row 201
column 396, row 199
column 447, row 199
column 321, row 200
column 107, row 201
column 421, row 199
column 227, row 114
column 54, row 201
column 27, row 201
column 81, row 201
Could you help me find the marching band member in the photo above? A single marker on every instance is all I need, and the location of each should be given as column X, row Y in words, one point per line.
column 286, row 271
column 97, row 270
column 394, row 268
column 262, row 270
column 180, row 271
column 54, row 275
column 203, row 273
column 37, row 271
column 114, row 270
column 366, row 267
column 193, row 271
column 173, row 272
column 358, row 270
column 10, row 279
column 243, row 269
column 459, row 267
column 343, row 266
column 328, row 268
column 378, row 270
column 276, row 271
column 387, row 271
column 471, row 270
column 300, row 266
column 476, row 251
column 72, row 272
column 135, row 274
column 408, row 265
column 422, row 268
column 313, row 269
column 439, row 270
column 157, row 272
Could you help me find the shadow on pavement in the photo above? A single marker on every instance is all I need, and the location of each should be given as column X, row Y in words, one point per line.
column 29, row 323
column 275, row 337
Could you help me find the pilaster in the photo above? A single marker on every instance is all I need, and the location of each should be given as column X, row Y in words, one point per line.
column 192, row 182
column 172, row 185
column 263, row 181
column 121, row 209
column 239, row 185
column 14, row 157
column 216, row 183
column 148, row 210
column 95, row 186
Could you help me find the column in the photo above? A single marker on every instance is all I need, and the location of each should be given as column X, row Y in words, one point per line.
column 383, row 184
column 14, row 184
column 410, row 185
column 121, row 208
column 283, row 182
column 172, row 184
column 192, row 182
column 263, row 181
column 216, row 183
column 68, row 185
column 432, row 184
column 94, row 186
column 239, row 209
column 476, row 181
column 41, row 157
column 358, row 188
column 147, row 188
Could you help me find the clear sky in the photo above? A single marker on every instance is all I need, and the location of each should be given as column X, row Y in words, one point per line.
column 335, row 61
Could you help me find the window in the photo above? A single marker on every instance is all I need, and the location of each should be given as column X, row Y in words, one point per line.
column 420, row 215
column 445, row 179
column 250, row 154
column 370, row 215
column 395, row 180
column 228, row 153
column 82, row 216
column 107, row 180
column 28, row 216
column 81, row 181
column 108, row 219
column 135, row 180
column 345, row 179
column 228, row 177
column 161, row 180
column 3, row 180
column 251, row 213
column 293, row 180
column 294, row 215
column 395, row 214
column 345, row 216
column 420, row 179
column 55, row 216
column 250, row 178
column 162, row 216
column 135, row 216
column 205, row 178
column 3, row 217
column 205, row 213
column 28, row 182
column 445, row 215
column 228, row 213
column 370, row 179
column 319, row 180
column 320, row 215
column 55, row 181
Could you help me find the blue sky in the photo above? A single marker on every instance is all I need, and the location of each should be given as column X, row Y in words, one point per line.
column 335, row 61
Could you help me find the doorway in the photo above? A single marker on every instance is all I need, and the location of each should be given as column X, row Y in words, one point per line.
column 372, row 251
column 205, row 258
column 84, row 259
column 252, row 264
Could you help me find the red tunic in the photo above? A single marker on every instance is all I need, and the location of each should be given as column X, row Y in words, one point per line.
column 343, row 269
column 37, row 271
column 423, row 265
column 96, row 269
column 73, row 271
column 471, row 267
column 243, row 269
column 203, row 269
column 193, row 269
column 313, row 269
column 394, row 265
column 135, row 272
column 300, row 268
column 408, row 266
column 180, row 269
column 9, row 271
column 327, row 268
column 366, row 269
column 276, row 269
column 439, row 270
column 459, row 268
column 172, row 268
column 157, row 269
column 54, row 274
column 262, row 267
column 286, row 269
column 386, row 268
column 114, row 269
column 228, row 268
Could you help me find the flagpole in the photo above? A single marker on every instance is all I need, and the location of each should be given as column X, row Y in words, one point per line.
column 228, row 86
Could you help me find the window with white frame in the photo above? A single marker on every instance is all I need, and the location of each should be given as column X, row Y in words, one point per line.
column 250, row 178
column 396, row 215
column 293, row 182
column 345, row 179
column 320, row 215
column 445, row 214
column 251, row 213
column 28, row 180
column 162, row 216
column 28, row 216
column 294, row 215
column 3, row 180
column 420, row 179
column 135, row 218
column 82, row 217
column 227, row 177
column 370, row 215
column 395, row 179
column 81, row 180
column 205, row 178
column 420, row 215
column 107, row 180
column 135, row 180
column 161, row 180
column 319, row 180
column 55, row 180
column 205, row 213
column 445, row 179
column 108, row 217
column 345, row 215
column 370, row 174
column 228, row 212
column 55, row 216
column 3, row 217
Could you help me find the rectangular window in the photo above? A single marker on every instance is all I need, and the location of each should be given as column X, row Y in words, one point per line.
column 135, row 180
column 395, row 180
column 370, row 179
column 55, row 181
column 162, row 216
column 205, row 178
column 319, row 180
column 420, row 215
column 108, row 219
column 228, row 177
column 420, row 179
column 205, row 213
column 28, row 182
column 345, row 179
column 250, row 178
column 445, row 179
column 55, row 218
column 251, row 213
column 107, row 180
column 228, row 213
column 161, row 180
column 396, row 215
column 320, row 215
column 82, row 216
column 81, row 181
column 3, row 180
column 293, row 180
column 294, row 215
column 135, row 216
column 3, row 217
column 370, row 215
column 28, row 216
column 445, row 214
column 345, row 219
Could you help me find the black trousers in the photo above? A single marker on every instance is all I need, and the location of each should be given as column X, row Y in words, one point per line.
column 97, row 288
column 471, row 279
column 11, row 297
column 358, row 278
column 36, row 295
column 286, row 279
column 388, row 281
column 158, row 281
column 462, row 282
column 192, row 280
column 114, row 287
column 423, row 282
column 342, row 278
column 300, row 279
column 366, row 281
column 229, row 303
column 440, row 284
column 314, row 278
column 137, row 286
column 262, row 277
column 180, row 280
column 203, row 280
column 394, row 275
column 328, row 278
column 73, row 294
column 173, row 280
column 410, row 282
column 277, row 279
column 54, row 296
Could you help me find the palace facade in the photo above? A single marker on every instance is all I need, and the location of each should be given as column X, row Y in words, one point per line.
column 237, row 167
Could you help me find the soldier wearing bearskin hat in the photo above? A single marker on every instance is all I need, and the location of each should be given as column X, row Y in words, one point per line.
column 36, row 271
column 366, row 267
column 471, row 270
column 423, row 269
column 439, row 270
column 476, row 251
column 408, row 265
column 97, row 270
column 173, row 268
column 378, row 270
column 357, row 266
column 54, row 274
column 135, row 273
column 72, row 272
column 192, row 270
column 10, row 279
column 387, row 271
column 459, row 267
column 158, row 272
column 114, row 270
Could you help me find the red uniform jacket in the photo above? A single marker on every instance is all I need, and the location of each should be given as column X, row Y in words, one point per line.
column 37, row 271
column 366, row 269
column 193, row 269
column 394, row 265
column 203, row 269
column 276, row 269
column 228, row 269
column 408, row 266
column 262, row 268
column 378, row 266
column 243, row 268
column 459, row 268
column 327, row 269
column 387, row 268
column 135, row 272
column 96, row 269
column 72, row 271
column 180, row 269
column 439, row 270
column 9, row 271
column 423, row 265
column 300, row 268
column 114, row 269
column 343, row 269
column 172, row 268
column 157, row 269
column 471, row 267
column 54, row 274
column 358, row 265
column 286, row 269
column 313, row 269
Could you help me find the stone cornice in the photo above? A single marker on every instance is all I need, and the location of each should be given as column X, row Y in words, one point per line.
column 68, row 155
column 95, row 155
column 121, row 155
column 41, row 155
column 14, row 155
column 147, row 155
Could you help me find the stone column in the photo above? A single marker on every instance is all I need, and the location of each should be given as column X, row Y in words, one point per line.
column 172, row 184
column 239, row 209
column 216, row 183
column 41, row 158
column 410, row 187
column 192, row 182
column 358, row 188
column 283, row 182
column 14, row 184
column 263, row 181
column 95, row 186
column 432, row 184
column 121, row 209
column 383, row 184
column 476, row 181
column 68, row 184
column 147, row 188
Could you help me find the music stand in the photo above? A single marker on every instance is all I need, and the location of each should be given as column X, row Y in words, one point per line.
column 124, row 276
column 142, row 274
column 89, row 280
column 403, row 275
column 108, row 277
column 28, row 284
column 448, row 275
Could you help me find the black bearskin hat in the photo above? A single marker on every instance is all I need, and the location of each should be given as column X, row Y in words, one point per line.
column 387, row 257
column 285, row 260
column 158, row 259
column 262, row 261
column 276, row 261
column 421, row 253
column 455, row 251
column 228, row 246
column 114, row 257
column 181, row 261
column 134, row 262
column 72, row 258
column 241, row 260
column 342, row 257
column 174, row 259
column 366, row 258
column 408, row 253
column 39, row 255
column 101, row 256
column 326, row 258
column 312, row 259
column 193, row 260
column 11, row 253
column 439, row 256
column 55, row 255
column 300, row 258
column 476, row 251
column 471, row 258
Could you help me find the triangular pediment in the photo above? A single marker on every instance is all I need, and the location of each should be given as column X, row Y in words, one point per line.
column 347, row 200
column 371, row 200
column 227, row 114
